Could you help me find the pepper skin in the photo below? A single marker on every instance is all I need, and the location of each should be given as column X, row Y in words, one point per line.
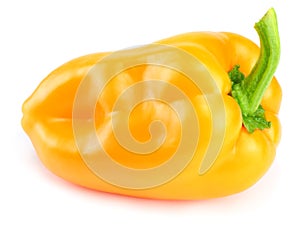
column 244, row 156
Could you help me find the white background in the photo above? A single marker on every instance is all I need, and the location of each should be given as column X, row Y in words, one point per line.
column 38, row 36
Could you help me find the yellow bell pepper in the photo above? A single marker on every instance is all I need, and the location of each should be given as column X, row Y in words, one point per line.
column 70, row 129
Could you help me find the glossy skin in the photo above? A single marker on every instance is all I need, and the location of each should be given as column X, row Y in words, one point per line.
column 242, row 161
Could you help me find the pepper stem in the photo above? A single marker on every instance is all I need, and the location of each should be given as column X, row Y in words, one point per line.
column 248, row 92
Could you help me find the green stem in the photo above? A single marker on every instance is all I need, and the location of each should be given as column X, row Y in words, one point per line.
column 262, row 73
column 248, row 92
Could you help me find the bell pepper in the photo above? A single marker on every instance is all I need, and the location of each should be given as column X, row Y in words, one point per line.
column 57, row 120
